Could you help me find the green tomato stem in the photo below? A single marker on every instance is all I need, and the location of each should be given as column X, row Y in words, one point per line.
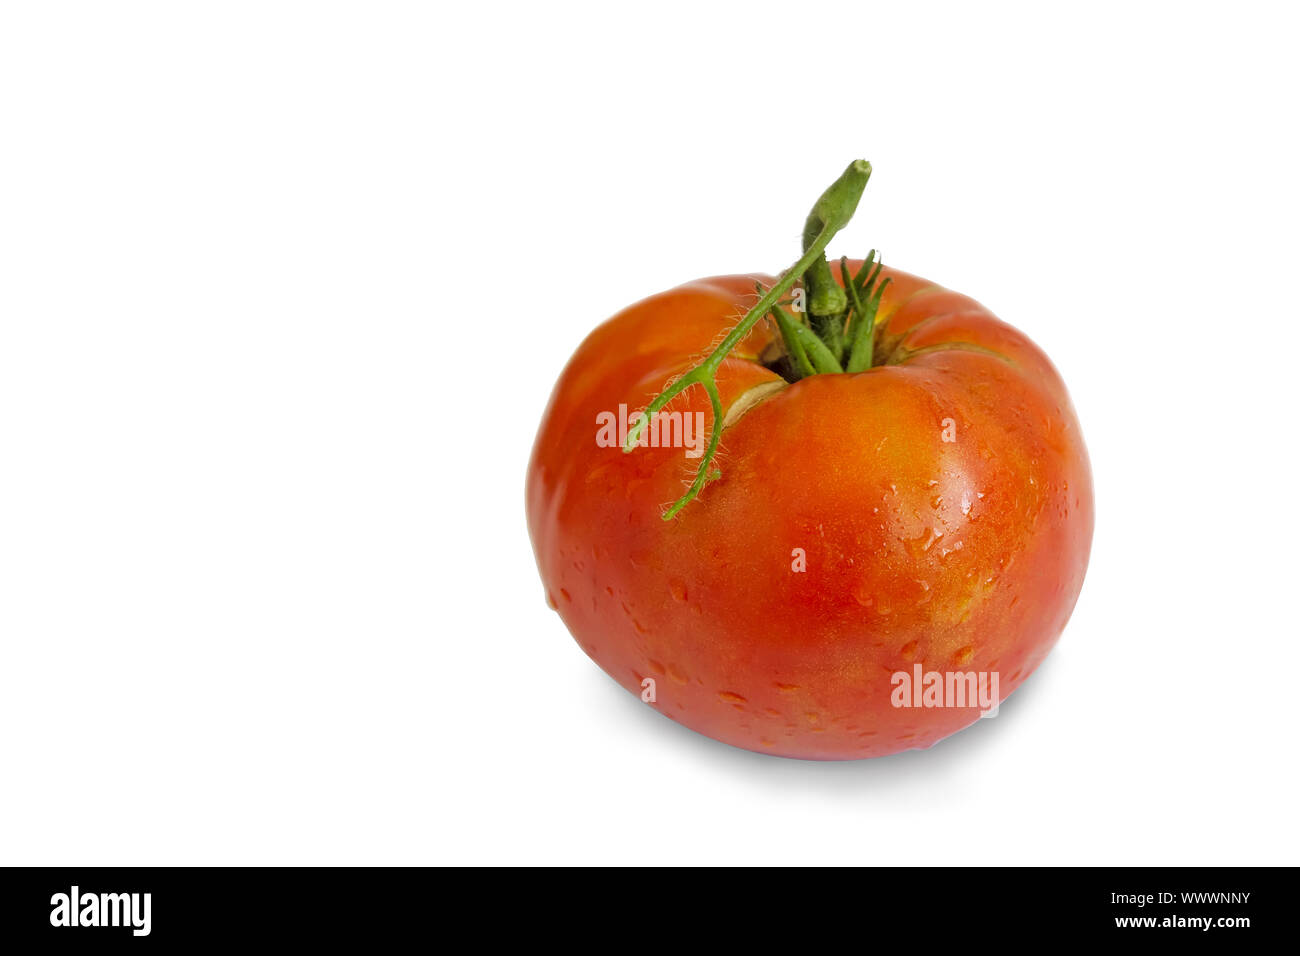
column 829, row 215
column 827, row 302
column 809, row 353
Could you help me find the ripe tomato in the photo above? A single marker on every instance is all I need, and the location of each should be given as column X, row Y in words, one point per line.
column 940, row 504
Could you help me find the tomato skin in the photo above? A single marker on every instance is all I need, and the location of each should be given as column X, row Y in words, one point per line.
column 959, row 555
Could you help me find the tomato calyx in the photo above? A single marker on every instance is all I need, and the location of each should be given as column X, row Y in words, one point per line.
column 838, row 337
column 848, row 342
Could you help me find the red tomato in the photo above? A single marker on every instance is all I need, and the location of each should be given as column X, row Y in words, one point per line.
column 941, row 502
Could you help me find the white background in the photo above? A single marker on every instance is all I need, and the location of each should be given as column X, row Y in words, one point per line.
column 284, row 288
